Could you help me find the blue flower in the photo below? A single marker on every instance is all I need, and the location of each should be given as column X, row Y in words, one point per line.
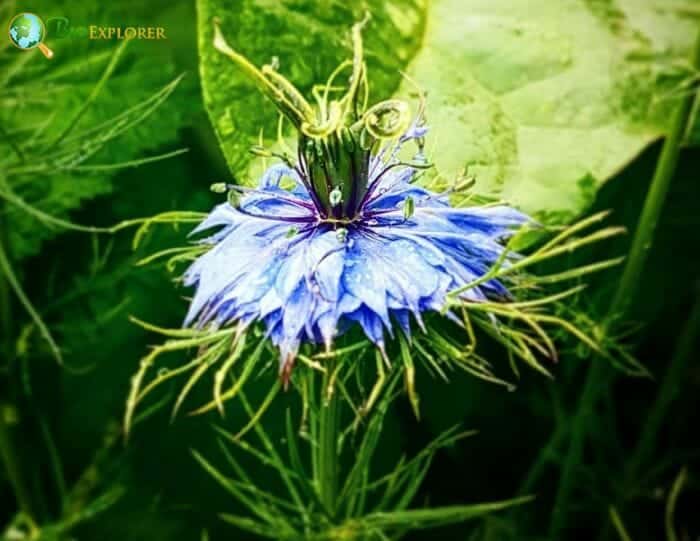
column 280, row 258
column 355, row 240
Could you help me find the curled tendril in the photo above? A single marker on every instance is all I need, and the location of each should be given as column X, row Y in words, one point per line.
column 330, row 124
column 387, row 119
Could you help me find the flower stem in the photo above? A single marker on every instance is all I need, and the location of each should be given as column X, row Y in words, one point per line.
column 8, row 455
column 656, row 196
column 598, row 372
column 329, row 420
column 667, row 392
column 8, row 451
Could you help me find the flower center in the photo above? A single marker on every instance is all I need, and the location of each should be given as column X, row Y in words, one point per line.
column 337, row 168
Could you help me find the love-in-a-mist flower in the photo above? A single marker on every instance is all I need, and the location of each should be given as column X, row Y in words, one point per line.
column 342, row 234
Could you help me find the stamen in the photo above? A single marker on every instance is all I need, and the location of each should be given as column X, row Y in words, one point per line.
column 217, row 188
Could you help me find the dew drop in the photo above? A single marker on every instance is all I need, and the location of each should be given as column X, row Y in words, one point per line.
column 341, row 234
column 420, row 159
column 336, row 196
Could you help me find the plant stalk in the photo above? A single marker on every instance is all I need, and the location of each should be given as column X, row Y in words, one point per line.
column 655, row 199
column 329, row 421
column 8, row 451
column 597, row 375
column 8, row 455
column 668, row 391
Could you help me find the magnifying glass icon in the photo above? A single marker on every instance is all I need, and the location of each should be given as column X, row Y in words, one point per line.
column 27, row 31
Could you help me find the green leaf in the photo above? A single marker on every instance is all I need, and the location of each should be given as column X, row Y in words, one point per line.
column 309, row 39
column 417, row 519
column 40, row 100
column 544, row 101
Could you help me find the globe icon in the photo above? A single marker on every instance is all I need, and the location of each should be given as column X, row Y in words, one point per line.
column 27, row 31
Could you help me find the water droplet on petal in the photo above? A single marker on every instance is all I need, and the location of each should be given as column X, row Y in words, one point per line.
column 420, row 158
column 336, row 196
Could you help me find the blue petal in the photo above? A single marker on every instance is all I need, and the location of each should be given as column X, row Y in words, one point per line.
column 365, row 276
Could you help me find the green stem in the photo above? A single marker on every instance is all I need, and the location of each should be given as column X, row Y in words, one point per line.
column 8, row 454
column 6, row 272
column 667, row 393
column 655, row 199
column 94, row 93
column 5, row 314
column 328, row 459
column 596, row 378
column 595, row 381
column 544, row 457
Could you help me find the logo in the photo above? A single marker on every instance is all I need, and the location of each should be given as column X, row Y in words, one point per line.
column 61, row 27
column 27, row 31
column 130, row 32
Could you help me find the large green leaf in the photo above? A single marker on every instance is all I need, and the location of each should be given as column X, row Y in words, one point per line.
column 543, row 101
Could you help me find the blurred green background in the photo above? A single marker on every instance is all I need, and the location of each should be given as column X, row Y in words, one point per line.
column 64, row 421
